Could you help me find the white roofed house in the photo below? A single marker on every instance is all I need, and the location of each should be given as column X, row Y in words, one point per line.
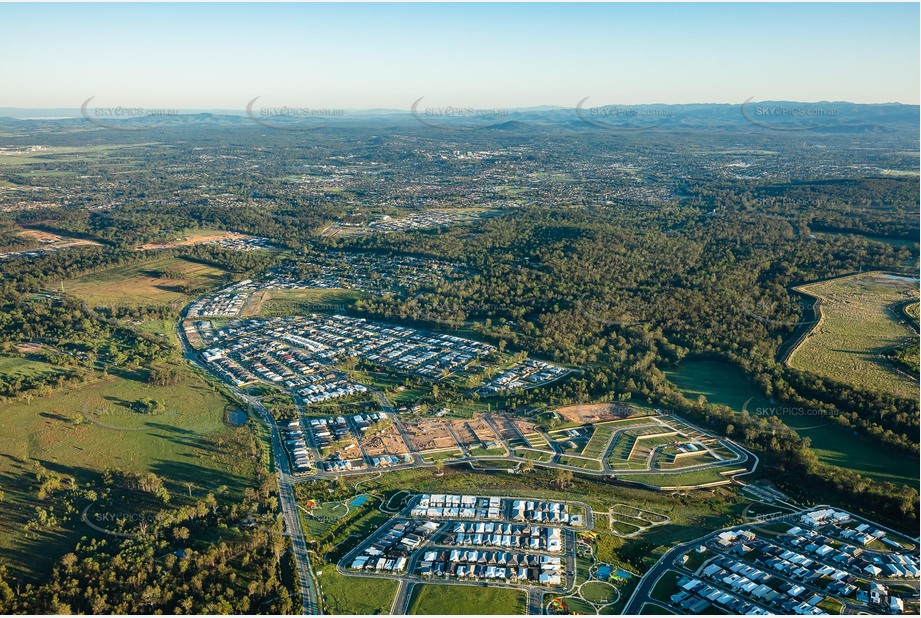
column 554, row 540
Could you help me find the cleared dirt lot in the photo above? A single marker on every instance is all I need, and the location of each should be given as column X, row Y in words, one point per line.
column 429, row 434
column 387, row 442
column 474, row 432
column 192, row 239
column 593, row 413
column 506, row 428
column 524, row 426
column 50, row 240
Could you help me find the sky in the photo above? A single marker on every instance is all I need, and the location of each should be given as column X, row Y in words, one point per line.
column 495, row 56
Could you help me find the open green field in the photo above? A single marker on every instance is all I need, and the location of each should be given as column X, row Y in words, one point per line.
column 345, row 594
column 725, row 384
column 679, row 479
column 858, row 326
column 665, row 586
column 162, row 329
column 82, row 432
column 66, row 154
column 27, row 365
column 598, row 592
column 300, row 302
column 142, row 283
column 466, row 600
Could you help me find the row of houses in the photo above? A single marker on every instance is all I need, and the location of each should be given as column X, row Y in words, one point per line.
column 501, row 566
column 229, row 370
column 749, row 582
column 886, row 564
column 328, row 430
column 218, row 305
column 300, row 352
column 335, row 463
column 538, row 538
column 405, row 349
column 296, row 445
column 856, row 532
column 697, row 596
column 812, row 565
column 543, row 512
column 274, row 357
column 455, row 506
column 528, row 374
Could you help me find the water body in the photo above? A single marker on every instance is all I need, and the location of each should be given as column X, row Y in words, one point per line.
column 236, row 417
column 899, row 277
column 725, row 384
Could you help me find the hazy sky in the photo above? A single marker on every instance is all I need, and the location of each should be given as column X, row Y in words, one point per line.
column 200, row 56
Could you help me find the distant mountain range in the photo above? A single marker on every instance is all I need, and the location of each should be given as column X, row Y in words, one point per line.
column 824, row 117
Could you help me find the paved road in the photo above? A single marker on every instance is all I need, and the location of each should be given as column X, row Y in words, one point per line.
column 643, row 590
column 400, row 605
column 309, row 597
column 641, row 594
column 743, row 456
column 535, row 602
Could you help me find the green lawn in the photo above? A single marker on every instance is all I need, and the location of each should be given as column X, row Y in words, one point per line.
column 442, row 455
column 665, row 587
column 830, row 605
column 599, row 439
column 346, row 594
column 534, row 455
column 466, row 600
column 301, row 302
column 598, row 592
column 29, row 365
column 696, row 558
column 577, row 606
column 587, row 464
column 725, row 384
column 653, row 610
column 678, row 479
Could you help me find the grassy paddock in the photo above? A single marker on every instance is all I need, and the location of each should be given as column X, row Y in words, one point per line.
column 142, row 283
column 857, row 328
column 83, row 431
column 345, row 594
column 466, row 600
